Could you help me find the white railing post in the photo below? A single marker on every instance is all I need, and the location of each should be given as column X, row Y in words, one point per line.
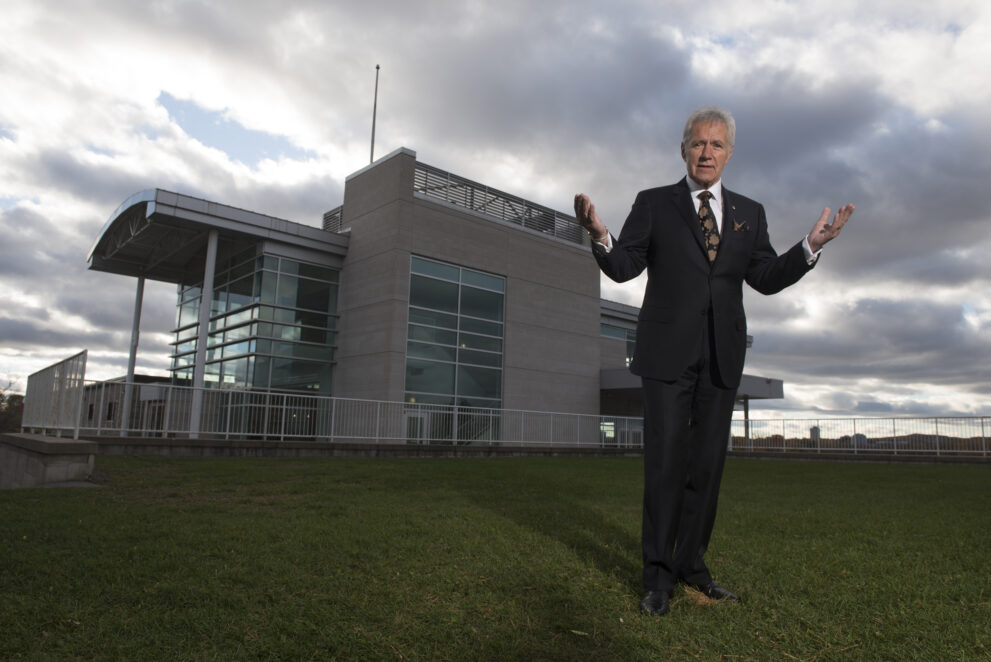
column 333, row 417
column 168, row 410
column 99, row 411
column 936, row 426
column 227, row 421
column 282, row 427
column 984, row 438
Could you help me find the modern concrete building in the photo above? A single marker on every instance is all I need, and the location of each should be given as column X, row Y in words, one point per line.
column 421, row 287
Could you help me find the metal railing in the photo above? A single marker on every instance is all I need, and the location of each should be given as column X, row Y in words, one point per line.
column 332, row 219
column 436, row 184
column 59, row 401
column 54, row 394
column 166, row 410
column 868, row 437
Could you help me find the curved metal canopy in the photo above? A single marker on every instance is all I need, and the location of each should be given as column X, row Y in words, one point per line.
column 160, row 235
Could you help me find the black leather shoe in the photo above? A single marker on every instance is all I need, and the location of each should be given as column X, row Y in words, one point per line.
column 655, row 602
column 714, row 591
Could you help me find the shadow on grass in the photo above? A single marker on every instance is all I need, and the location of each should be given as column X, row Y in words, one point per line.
column 597, row 531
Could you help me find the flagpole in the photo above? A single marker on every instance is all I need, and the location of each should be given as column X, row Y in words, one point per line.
column 375, row 105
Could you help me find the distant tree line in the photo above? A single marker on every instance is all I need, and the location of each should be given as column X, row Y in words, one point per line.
column 11, row 407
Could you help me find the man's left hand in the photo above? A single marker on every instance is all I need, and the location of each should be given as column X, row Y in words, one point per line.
column 825, row 231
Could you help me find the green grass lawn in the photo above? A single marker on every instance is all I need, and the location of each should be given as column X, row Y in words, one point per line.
column 488, row 559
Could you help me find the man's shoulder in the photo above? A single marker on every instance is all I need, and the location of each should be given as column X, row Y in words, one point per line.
column 738, row 199
column 663, row 192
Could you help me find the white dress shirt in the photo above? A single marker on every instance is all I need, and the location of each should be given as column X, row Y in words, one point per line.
column 716, row 204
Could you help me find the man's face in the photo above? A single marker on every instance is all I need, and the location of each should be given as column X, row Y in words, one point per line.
column 706, row 152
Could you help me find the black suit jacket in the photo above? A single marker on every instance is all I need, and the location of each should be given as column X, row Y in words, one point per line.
column 662, row 234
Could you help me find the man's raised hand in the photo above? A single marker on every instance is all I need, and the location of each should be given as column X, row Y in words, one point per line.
column 825, row 231
column 585, row 213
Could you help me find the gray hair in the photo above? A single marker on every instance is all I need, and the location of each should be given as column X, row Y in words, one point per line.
column 710, row 114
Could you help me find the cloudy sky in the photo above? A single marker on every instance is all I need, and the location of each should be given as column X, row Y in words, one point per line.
column 267, row 106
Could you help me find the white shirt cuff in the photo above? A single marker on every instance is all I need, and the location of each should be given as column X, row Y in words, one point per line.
column 810, row 257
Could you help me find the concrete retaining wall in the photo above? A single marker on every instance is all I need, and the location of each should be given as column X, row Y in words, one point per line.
column 29, row 460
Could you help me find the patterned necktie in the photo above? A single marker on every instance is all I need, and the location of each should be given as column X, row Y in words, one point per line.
column 709, row 229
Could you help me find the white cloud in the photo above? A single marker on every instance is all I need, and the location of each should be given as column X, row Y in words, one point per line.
column 881, row 104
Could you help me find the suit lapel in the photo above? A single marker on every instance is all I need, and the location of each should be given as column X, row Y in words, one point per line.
column 736, row 226
column 686, row 208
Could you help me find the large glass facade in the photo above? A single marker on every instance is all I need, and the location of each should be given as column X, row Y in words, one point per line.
column 454, row 341
column 272, row 325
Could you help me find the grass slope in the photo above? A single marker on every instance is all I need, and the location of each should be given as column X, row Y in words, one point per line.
column 488, row 559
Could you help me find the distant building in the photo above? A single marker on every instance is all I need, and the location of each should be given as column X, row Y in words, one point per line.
column 421, row 287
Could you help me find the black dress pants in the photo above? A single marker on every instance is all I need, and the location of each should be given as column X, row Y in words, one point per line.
column 686, row 432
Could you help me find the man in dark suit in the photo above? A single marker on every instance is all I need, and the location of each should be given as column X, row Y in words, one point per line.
column 698, row 242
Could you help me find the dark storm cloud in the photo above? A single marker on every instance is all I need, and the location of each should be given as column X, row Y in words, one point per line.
column 33, row 247
column 585, row 96
column 103, row 185
column 899, row 341
column 27, row 333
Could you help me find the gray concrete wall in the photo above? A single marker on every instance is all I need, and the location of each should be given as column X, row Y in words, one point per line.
column 552, row 344
column 28, row 460
column 374, row 281
column 612, row 353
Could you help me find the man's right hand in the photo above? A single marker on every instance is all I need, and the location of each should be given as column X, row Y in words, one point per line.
column 585, row 213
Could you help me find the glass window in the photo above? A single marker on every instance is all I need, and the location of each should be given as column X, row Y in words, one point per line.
column 287, row 290
column 612, row 331
column 480, row 326
column 433, row 293
column 479, row 358
column 436, row 269
column 322, row 336
column 241, row 293
column 302, row 351
column 471, row 341
column 238, row 333
column 481, row 303
column 211, row 375
column 482, row 382
column 189, row 312
column 319, row 273
column 235, row 373
column 430, row 399
column 429, row 376
column 441, row 362
column 433, row 318
column 485, row 281
column 314, row 294
column 244, row 281
column 219, row 303
column 265, row 286
column 312, row 319
column 294, row 374
column 285, row 332
column 429, row 334
column 425, row 351
column 242, row 269
column 237, row 348
column 260, row 377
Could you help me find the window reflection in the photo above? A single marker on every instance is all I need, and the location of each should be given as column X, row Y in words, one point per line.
column 444, row 366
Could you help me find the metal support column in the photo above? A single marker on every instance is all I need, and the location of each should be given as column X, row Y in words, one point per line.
column 203, row 333
column 132, row 358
